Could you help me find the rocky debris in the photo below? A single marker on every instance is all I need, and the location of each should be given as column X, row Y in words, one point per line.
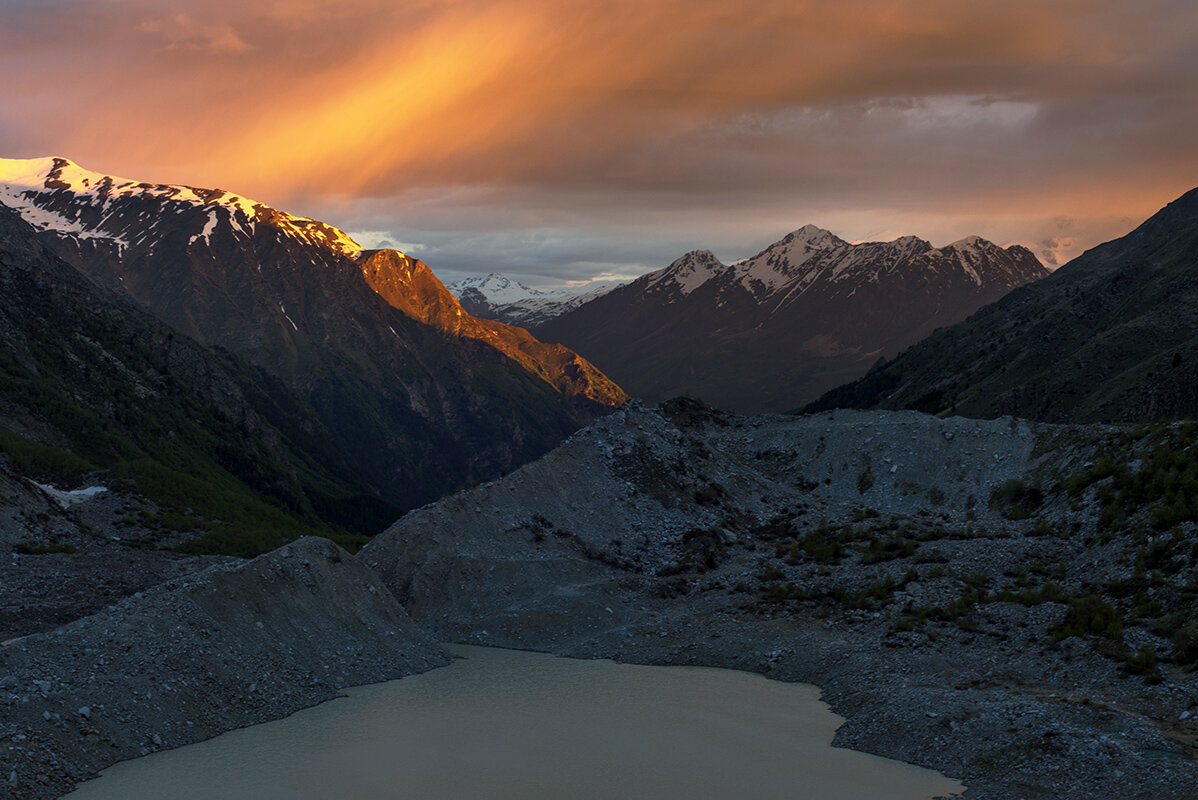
column 67, row 563
column 953, row 585
column 28, row 515
column 237, row 644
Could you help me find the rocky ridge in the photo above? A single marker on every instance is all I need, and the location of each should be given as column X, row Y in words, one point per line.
column 1110, row 336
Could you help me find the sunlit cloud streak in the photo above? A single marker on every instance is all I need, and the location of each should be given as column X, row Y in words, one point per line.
column 653, row 126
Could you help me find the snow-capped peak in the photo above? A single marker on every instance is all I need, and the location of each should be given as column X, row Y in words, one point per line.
column 688, row 272
column 507, row 300
column 812, row 235
column 971, row 242
column 29, row 173
column 32, row 185
column 496, row 287
column 785, row 261
column 968, row 252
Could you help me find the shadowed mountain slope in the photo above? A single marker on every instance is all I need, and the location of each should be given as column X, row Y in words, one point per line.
column 92, row 386
column 1112, row 335
column 806, row 314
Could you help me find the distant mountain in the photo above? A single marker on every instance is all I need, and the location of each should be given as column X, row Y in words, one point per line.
column 774, row 331
column 423, row 398
column 1110, row 336
column 498, row 297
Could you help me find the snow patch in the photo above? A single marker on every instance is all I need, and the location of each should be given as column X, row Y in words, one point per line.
column 498, row 288
column 209, row 227
column 523, row 304
column 70, row 498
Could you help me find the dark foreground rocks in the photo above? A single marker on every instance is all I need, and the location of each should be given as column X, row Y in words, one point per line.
column 236, row 645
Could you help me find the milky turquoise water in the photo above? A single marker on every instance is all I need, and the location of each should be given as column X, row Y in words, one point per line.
column 508, row 724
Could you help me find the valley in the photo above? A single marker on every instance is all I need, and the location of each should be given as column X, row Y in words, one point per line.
column 1008, row 600
column 973, row 596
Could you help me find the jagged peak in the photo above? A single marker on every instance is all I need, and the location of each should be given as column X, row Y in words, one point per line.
column 799, row 246
column 971, row 242
column 811, row 234
column 910, row 242
column 688, row 272
column 496, row 287
column 696, row 257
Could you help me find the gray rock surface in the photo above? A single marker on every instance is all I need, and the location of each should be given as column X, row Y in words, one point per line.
column 238, row 644
column 694, row 538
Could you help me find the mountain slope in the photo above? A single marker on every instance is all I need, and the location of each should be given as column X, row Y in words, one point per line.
column 410, row 286
column 806, row 314
column 92, row 386
column 500, row 298
column 423, row 409
column 1112, row 335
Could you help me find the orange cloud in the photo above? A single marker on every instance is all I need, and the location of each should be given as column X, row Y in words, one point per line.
column 181, row 32
column 758, row 110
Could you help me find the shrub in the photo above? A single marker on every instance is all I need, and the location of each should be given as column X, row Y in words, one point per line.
column 1016, row 499
column 1090, row 615
column 1143, row 663
column 1185, row 645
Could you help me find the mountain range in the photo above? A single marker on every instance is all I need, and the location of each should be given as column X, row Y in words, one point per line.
column 499, row 297
column 417, row 396
column 1110, row 336
column 776, row 330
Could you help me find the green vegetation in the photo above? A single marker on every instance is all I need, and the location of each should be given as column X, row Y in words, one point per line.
column 41, row 461
column 1090, row 615
column 123, row 414
column 1144, row 662
column 1185, row 644
column 892, row 547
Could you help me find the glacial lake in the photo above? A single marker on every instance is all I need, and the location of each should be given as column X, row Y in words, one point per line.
column 500, row 724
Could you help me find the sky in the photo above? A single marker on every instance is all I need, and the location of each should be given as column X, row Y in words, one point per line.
column 562, row 141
